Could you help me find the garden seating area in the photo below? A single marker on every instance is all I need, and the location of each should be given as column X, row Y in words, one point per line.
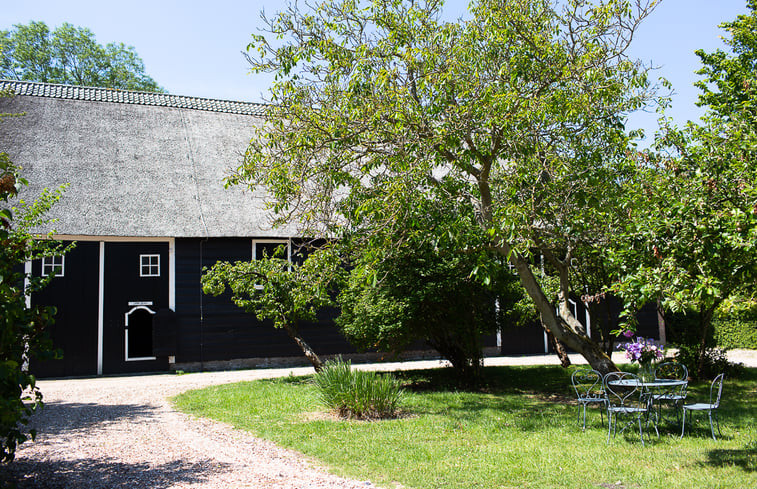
column 642, row 399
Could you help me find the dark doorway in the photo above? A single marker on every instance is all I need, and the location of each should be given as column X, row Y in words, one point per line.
column 139, row 334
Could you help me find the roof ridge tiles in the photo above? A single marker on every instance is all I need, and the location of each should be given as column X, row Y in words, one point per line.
column 102, row 94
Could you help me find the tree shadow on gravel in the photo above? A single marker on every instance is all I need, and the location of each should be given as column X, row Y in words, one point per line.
column 56, row 418
column 104, row 473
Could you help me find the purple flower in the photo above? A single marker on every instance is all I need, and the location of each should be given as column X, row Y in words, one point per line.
column 628, row 333
column 642, row 350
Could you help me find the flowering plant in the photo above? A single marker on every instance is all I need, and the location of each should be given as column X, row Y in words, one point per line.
column 642, row 350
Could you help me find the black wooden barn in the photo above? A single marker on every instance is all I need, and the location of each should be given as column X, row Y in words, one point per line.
column 148, row 210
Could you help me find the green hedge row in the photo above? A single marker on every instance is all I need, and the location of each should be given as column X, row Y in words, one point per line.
column 735, row 333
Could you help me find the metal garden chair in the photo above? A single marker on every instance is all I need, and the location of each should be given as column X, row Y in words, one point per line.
column 626, row 398
column 588, row 386
column 674, row 395
column 716, row 391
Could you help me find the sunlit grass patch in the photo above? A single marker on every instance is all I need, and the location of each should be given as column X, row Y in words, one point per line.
column 519, row 429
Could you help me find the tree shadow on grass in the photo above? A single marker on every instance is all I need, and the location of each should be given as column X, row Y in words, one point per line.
column 745, row 458
column 105, row 473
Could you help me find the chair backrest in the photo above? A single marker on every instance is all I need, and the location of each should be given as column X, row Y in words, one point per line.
column 587, row 383
column 624, row 389
column 671, row 370
column 716, row 389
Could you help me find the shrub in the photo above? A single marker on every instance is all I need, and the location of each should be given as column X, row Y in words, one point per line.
column 715, row 362
column 735, row 332
column 356, row 393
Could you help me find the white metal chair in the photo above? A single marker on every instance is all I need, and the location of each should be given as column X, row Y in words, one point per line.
column 588, row 386
column 716, row 391
column 626, row 398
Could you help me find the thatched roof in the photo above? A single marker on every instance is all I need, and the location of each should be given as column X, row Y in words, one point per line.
column 138, row 164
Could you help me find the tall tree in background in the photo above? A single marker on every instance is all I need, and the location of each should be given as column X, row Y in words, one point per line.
column 70, row 55
column 518, row 111
column 695, row 230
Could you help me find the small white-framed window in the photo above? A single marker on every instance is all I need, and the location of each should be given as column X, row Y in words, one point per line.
column 267, row 247
column 149, row 265
column 53, row 264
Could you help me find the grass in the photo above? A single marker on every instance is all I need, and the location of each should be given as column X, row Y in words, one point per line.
column 519, row 430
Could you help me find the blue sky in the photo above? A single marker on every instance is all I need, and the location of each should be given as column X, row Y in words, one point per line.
column 194, row 48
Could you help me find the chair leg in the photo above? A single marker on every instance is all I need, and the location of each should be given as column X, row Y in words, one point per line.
column 683, row 421
column 583, row 428
column 609, row 426
column 641, row 433
column 712, row 428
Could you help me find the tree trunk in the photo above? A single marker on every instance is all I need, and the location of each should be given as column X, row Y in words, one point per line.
column 562, row 354
column 560, row 351
column 705, row 320
column 309, row 352
column 661, row 324
column 560, row 326
column 565, row 328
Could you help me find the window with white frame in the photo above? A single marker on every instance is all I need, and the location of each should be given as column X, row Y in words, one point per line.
column 268, row 247
column 262, row 248
column 53, row 264
column 149, row 265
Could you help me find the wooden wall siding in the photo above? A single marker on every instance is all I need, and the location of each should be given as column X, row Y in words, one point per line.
column 522, row 339
column 214, row 329
column 75, row 296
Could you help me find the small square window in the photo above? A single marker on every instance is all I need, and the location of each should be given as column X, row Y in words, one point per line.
column 149, row 265
column 53, row 264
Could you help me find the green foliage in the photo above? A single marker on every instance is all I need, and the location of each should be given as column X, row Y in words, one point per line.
column 713, row 362
column 735, row 332
column 441, row 291
column 70, row 55
column 272, row 288
column 22, row 329
column 357, row 393
column 516, row 114
column 728, row 86
column 695, row 231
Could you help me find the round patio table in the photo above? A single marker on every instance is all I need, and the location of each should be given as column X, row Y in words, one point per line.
column 654, row 389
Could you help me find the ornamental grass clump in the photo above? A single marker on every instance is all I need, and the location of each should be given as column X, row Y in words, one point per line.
column 356, row 393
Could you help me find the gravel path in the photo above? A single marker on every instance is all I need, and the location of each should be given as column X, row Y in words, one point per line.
column 121, row 432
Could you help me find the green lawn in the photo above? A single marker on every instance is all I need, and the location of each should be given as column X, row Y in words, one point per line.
column 520, row 430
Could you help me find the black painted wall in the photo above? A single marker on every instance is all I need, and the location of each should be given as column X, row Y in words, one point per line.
column 75, row 296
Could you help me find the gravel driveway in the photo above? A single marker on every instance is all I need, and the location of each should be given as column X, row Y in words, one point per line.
column 121, row 432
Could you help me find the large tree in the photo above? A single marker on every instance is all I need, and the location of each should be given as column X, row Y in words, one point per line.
column 695, row 236
column 519, row 111
column 70, row 55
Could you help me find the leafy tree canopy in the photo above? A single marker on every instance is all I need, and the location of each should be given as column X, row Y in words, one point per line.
column 70, row 55
column 272, row 288
column 519, row 112
column 695, row 230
